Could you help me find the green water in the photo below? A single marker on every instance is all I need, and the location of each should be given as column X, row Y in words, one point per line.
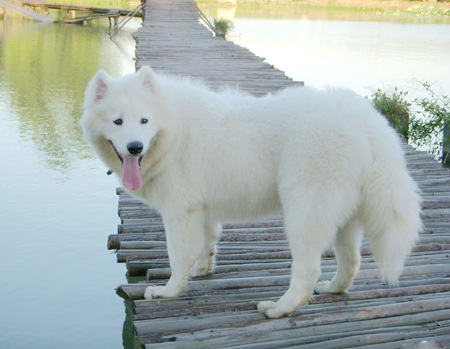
column 57, row 206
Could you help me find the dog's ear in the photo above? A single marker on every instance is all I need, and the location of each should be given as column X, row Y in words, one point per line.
column 97, row 89
column 101, row 83
column 147, row 77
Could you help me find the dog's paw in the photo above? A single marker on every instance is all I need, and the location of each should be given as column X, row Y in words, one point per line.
column 328, row 287
column 276, row 313
column 200, row 269
column 152, row 292
column 263, row 306
column 272, row 310
column 200, row 272
column 204, row 266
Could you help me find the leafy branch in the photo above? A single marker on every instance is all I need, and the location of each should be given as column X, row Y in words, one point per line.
column 421, row 121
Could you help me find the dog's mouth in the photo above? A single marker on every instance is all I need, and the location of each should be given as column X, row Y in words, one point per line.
column 131, row 177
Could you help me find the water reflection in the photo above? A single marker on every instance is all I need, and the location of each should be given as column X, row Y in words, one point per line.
column 57, row 206
column 45, row 69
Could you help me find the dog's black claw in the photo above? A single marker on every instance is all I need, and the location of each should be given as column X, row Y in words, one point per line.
column 109, row 172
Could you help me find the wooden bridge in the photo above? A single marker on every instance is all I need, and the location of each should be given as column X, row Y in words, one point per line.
column 29, row 8
column 253, row 258
column 25, row 12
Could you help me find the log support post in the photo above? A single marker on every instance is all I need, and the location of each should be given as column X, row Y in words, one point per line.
column 65, row 13
column 446, row 144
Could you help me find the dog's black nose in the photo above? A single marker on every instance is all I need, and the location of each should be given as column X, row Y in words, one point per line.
column 135, row 148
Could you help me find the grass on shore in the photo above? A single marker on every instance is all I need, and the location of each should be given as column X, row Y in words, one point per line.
column 395, row 8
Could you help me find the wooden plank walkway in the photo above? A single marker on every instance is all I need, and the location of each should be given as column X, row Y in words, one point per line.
column 253, row 258
column 172, row 40
column 25, row 12
column 70, row 7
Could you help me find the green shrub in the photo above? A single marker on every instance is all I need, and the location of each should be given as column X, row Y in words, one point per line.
column 421, row 121
column 432, row 112
column 222, row 27
column 395, row 107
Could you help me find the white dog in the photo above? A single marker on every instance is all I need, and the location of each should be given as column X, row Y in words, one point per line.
column 326, row 159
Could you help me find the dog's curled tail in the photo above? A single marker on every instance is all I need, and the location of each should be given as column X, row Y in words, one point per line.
column 392, row 219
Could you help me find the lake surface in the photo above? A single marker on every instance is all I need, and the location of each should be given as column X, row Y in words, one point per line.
column 58, row 206
column 330, row 47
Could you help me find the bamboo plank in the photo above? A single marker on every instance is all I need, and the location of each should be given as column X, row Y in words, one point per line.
column 252, row 241
column 141, row 211
column 255, row 254
column 136, row 291
column 344, row 339
column 138, row 267
column 391, row 314
column 435, row 341
column 328, row 265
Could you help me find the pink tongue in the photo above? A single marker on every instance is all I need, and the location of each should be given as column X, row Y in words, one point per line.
column 132, row 179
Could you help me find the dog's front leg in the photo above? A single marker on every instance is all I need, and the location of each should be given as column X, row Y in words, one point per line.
column 185, row 237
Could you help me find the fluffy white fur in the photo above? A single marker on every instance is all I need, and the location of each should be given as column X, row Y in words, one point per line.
column 325, row 159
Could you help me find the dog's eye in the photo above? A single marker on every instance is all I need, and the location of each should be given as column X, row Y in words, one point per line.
column 144, row 121
column 118, row 122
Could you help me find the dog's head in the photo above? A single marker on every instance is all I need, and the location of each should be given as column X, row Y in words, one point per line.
column 119, row 121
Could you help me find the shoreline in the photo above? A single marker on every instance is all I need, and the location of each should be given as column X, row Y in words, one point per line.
column 394, row 8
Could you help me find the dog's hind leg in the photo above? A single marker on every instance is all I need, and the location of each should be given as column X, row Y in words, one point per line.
column 308, row 234
column 307, row 239
column 346, row 246
column 312, row 215
column 206, row 262
column 185, row 234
